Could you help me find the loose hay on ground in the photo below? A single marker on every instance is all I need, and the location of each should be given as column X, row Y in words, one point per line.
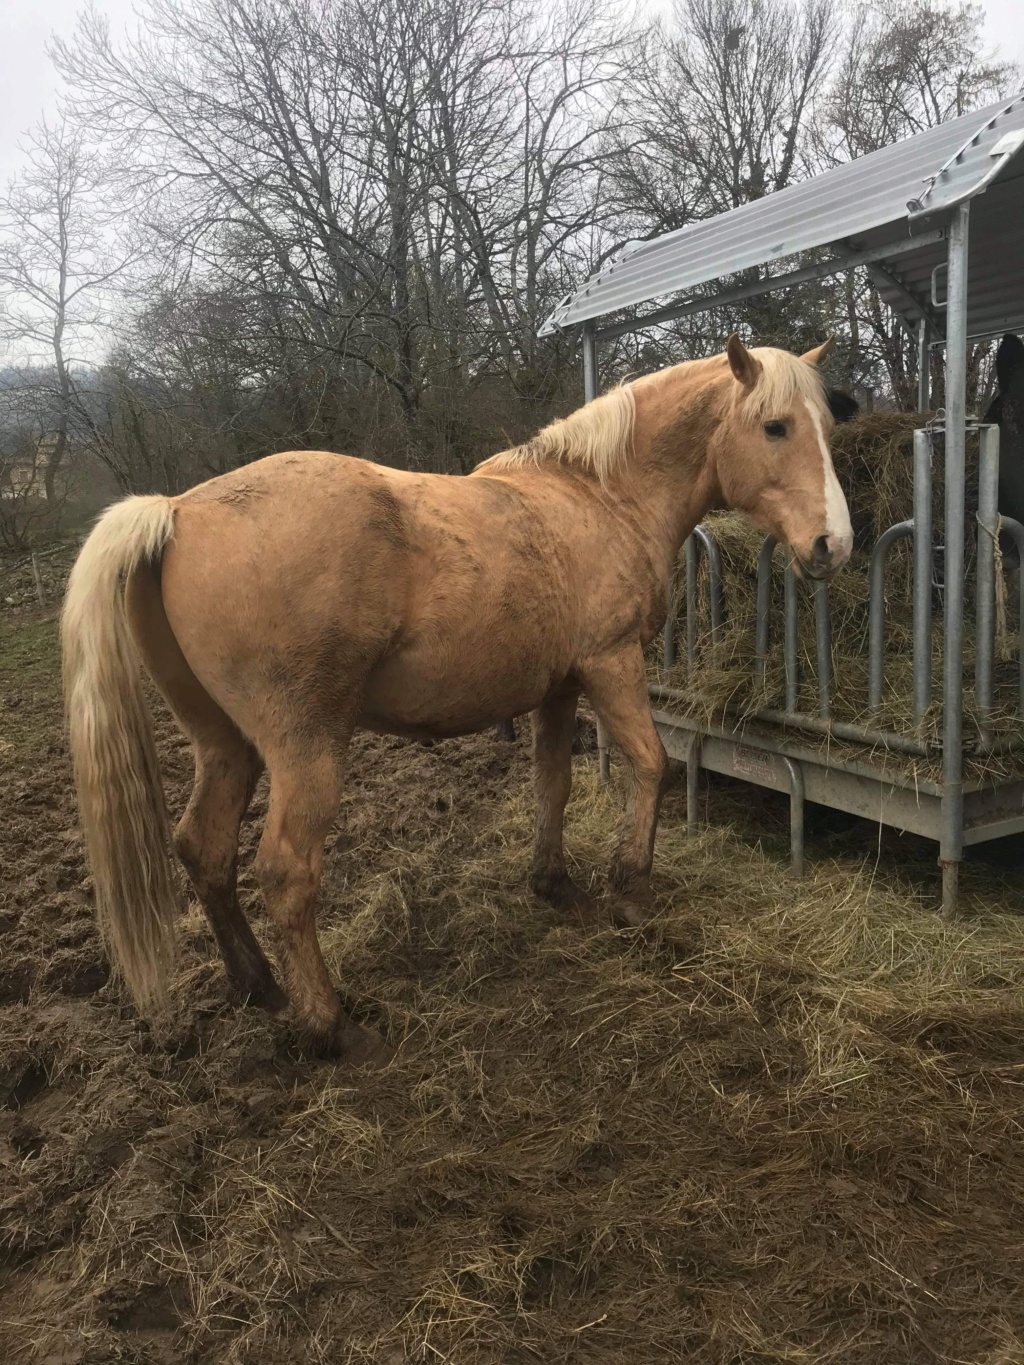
column 783, row 1125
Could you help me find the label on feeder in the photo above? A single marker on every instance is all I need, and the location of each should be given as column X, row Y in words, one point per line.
column 755, row 764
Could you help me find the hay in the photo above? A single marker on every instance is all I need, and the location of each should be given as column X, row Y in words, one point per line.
column 874, row 460
column 782, row 1125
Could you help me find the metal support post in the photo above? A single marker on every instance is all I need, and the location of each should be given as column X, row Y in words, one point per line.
column 692, row 784
column 589, row 393
column 796, row 815
column 951, row 843
column 922, row 574
column 923, row 377
column 985, row 585
column 589, row 363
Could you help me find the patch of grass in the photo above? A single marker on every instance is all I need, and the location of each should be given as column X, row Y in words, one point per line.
column 29, row 680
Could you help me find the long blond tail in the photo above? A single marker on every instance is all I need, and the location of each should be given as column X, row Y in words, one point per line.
column 116, row 771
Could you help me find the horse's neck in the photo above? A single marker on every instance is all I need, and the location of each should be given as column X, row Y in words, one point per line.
column 672, row 478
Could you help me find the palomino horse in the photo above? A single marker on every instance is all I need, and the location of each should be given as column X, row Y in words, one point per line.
column 280, row 606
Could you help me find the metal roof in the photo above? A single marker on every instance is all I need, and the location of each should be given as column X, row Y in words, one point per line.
column 890, row 206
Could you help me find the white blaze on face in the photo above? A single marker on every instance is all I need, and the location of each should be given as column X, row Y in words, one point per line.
column 837, row 514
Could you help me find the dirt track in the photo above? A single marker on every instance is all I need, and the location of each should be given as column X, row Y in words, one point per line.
column 783, row 1125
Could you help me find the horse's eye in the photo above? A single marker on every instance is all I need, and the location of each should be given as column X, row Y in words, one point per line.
column 775, row 430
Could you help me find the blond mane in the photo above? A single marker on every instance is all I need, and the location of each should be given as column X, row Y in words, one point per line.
column 784, row 378
column 597, row 438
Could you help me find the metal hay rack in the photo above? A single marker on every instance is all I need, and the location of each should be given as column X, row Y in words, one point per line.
column 842, row 777
column 959, row 234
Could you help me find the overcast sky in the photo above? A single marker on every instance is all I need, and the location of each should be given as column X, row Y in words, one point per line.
column 28, row 86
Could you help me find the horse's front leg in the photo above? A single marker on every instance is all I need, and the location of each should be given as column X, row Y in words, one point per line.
column 617, row 689
column 553, row 729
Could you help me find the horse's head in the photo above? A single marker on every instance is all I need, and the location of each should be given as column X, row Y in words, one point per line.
column 772, row 453
column 1007, row 408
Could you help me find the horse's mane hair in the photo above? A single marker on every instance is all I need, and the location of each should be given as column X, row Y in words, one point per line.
column 597, row 437
column 783, row 379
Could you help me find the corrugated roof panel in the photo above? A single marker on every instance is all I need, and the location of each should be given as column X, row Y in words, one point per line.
column 995, row 270
column 938, row 168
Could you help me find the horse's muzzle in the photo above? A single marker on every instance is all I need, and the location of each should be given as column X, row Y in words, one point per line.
column 828, row 555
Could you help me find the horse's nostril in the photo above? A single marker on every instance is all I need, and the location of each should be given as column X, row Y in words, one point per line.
column 821, row 552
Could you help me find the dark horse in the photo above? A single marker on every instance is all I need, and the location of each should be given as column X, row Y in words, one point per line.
column 1007, row 411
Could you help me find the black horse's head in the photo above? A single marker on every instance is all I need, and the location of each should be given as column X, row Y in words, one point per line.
column 1010, row 363
column 842, row 405
column 1007, row 408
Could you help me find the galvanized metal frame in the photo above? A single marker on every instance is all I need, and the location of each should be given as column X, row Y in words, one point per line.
column 941, row 809
column 869, row 211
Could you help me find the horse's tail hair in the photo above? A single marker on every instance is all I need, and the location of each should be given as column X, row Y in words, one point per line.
column 112, row 747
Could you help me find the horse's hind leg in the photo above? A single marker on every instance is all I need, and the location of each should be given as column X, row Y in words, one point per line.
column 553, row 732
column 227, row 766
column 304, row 794
column 206, row 841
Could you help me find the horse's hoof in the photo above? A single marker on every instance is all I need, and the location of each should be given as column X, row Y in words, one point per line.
column 631, row 912
column 559, row 889
column 262, row 993
column 352, row 1044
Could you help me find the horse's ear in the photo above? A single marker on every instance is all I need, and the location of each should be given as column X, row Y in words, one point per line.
column 843, row 406
column 744, row 366
column 1009, row 359
column 819, row 353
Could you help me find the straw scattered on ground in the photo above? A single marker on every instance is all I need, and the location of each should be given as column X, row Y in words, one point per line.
column 783, row 1124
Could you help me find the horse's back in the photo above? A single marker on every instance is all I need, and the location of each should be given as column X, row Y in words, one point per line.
column 285, row 581
column 307, row 578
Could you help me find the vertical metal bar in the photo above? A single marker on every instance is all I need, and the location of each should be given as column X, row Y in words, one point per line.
column 950, row 887
column 692, row 784
column 796, row 815
column 951, row 843
column 691, row 603
column 922, row 574
column 668, row 638
column 791, row 638
column 985, row 581
column 589, row 341
column 764, row 602
column 876, row 609
column 589, row 362
column 604, row 764
column 716, row 588
column 823, row 639
column 923, row 377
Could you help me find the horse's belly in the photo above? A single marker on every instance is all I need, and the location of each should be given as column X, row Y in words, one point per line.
column 452, row 691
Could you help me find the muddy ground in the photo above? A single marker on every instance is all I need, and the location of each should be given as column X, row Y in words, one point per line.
column 782, row 1124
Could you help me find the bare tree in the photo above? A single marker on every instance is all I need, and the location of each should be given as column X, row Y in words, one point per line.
column 907, row 65
column 722, row 111
column 57, row 266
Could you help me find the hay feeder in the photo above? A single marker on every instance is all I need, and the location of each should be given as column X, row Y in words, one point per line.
column 935, row 220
